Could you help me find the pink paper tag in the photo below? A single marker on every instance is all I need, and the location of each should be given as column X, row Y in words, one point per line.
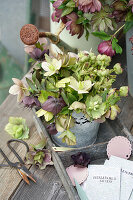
column 119, row 146
column 80, row 174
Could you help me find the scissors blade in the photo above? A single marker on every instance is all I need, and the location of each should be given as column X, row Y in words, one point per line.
column 25, row 171
column 23, row 175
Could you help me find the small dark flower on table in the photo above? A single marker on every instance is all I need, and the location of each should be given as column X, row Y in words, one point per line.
column 81, row 159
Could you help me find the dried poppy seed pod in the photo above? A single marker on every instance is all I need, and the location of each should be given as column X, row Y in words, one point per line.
column 29, row 34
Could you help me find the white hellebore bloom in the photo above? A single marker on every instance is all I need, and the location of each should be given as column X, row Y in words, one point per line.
column 18, row 89
column 81, row 86
column 51, row 67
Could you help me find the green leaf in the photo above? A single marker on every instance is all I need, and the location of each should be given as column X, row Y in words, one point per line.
column 31, row 60
column 71, row 4
column 116, row 46
column 44, row 95
column 68, row 137
column 39, row 46
column 80, row 20
column 128, row 26
column 102, row 35
column 71, row 98
column 31, row 84
column 40, row 145
column 65, row 97
column 87, row 34
column 66, row 11
column 65, row 111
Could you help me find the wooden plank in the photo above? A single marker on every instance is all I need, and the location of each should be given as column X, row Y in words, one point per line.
column 9, row 178
column 48, row 186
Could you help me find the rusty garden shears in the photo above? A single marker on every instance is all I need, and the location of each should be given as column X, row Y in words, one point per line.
column 20, row 166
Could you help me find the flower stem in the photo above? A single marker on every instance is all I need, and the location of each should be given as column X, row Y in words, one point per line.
column 118, row 30
column 69, row 122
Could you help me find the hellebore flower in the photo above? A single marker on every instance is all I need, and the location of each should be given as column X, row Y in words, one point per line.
column 56, row 15
column 37, row 54
column 105, row 47
column 18, row 89
column 31, row 101
column 75, row 29
column 117, row 68
column 89, row 5
column 81, row 159
column 131, row 4
column 63, row 121
column 51, row 66
column 39, row 156
column 52, row 129
column 17, row 128
column 81, row 86
column 47, row 115
column 53, row 105
column 123, row 91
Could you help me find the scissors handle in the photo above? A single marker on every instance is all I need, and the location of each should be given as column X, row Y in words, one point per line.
column 7, row 160
column 13, row 150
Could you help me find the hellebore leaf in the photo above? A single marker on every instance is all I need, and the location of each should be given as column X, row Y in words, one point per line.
column 44, row 95
column 62, row 123
column 54, row 105
column 47, row 115
column 62, row 82
column 68, row 137
column 40, row 145
column 17, row 128
column 102, row 35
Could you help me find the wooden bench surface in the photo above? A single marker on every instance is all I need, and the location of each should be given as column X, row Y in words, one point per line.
column 48, row 186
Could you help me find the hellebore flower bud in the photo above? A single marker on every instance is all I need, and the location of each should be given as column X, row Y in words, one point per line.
column 117, row 68
column 52, row 129
column 123, row 91
column 31, row 101
column 105, row 47
column 81, row 159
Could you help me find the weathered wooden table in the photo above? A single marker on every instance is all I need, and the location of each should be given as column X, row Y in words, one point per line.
column 48, row 186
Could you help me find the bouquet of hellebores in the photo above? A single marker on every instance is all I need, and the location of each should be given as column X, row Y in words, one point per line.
column 71, row 83
column 102, row 18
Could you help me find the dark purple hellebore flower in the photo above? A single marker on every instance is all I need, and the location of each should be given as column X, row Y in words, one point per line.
column 52, row 129
column 89, row 5
column 75, row 29
column 105, row 47
column 31, row 101
column 53, row 105
column 37, row 54
column 81, row 159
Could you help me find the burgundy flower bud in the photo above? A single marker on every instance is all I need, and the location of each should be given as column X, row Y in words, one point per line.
column 37, row 54
column 81, row 159
column 52, row 129
column 53, row 105
column 119, row 15
column 105, row 47
column 31, row 101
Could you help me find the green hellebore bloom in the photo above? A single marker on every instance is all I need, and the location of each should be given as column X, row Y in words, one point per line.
column 123, row 91
column 117, row 68
column 17, row 128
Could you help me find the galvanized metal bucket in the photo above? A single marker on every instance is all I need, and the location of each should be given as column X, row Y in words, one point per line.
column 85, row 132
